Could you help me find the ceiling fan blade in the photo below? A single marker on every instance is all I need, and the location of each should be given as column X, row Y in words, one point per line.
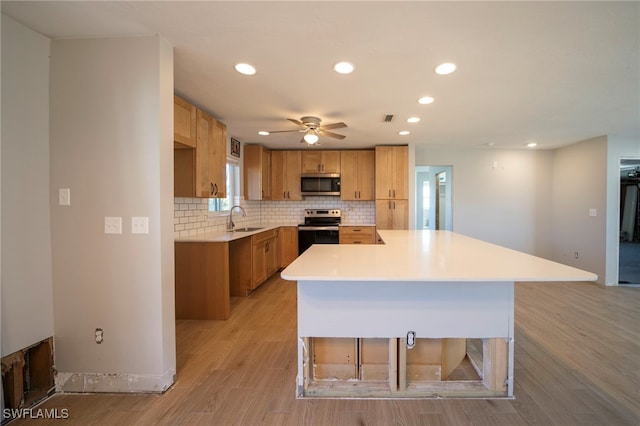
column 333, row 135
column 298, row 122
column 334, row 126
column 286, row 131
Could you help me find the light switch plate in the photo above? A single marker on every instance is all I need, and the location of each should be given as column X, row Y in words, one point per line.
column 140, row 225
column 593, row 212
column 64, row 197
column 112, row 225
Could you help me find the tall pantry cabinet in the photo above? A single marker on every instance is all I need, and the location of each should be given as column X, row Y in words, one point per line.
column 392, row 187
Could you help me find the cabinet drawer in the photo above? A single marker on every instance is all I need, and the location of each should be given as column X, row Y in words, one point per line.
column 264, row 236
column 357, row 235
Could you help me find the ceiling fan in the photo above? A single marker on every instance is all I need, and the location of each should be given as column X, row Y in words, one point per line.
column 313, row 130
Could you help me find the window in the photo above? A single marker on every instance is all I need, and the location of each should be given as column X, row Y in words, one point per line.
column 232, row 191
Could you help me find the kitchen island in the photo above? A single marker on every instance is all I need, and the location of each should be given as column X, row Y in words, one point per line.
column 426, row 314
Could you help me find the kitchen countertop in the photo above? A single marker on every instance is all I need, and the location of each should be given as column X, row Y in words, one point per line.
column 224, row 236
column 426, row 256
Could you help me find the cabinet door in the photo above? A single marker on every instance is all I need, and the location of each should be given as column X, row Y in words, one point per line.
column 272, row 256
column 400, row 172
column 293, row 167
column 366, row 175
column 392, row 214
column 321, row 162
column 218, row 159
column 330, row 162
column 349, row 176
column 288, row 244
column 184, row 123
column 210, row 167
column 278, row 190
column 311, row 162
column 392, row 165
column 256, row 173
column 259, row 263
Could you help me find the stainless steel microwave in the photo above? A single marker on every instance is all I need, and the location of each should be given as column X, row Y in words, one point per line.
column 320, row 184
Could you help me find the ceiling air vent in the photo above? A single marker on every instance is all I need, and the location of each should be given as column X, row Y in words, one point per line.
column 388, row 118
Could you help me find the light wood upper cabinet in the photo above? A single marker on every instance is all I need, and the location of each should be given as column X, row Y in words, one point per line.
column 184, row 123
column 256, row 172
column 357, row 175
column 392, row 214
column 201, row 171
column 320, row 161
column 392, row 167
column 211, row 154
column 286, row 168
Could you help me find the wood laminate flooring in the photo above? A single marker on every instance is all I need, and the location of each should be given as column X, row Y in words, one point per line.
column 577, row 362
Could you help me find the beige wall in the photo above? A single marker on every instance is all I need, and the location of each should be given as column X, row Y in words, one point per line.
column 501, row 196
column 27, row 299
column 112, row 145
column 579, row 185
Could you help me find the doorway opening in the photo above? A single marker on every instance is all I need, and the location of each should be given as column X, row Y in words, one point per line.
column 433, row 197
column 629, row 241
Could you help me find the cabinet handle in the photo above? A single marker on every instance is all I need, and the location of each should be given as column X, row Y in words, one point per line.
column 389, row 204
column 389, row 193
column 266, row 247
column 359, row 196
column 211, row 188
column 357, row 242
column 394, row 193
column 284, row 194
column 323, row 167
column 288, row 195
column 394, row 205
column 356, row 230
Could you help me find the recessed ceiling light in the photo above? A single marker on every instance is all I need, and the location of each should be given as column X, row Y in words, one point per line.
column 343, row 68
column 263, row 133
column 413, row 119
column 245, row 69
column 426, row 100
column 532, row 144
column 446, row 68
column 404, row 132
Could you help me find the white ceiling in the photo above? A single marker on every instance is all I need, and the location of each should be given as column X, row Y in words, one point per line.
column 553, row 72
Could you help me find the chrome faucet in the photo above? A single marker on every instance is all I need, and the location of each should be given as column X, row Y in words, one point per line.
column 230, row 225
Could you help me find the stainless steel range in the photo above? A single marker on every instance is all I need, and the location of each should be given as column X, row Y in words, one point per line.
column 319, row 227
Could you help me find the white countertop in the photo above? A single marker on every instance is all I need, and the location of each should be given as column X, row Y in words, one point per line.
column 426, row 256
column 224, row 237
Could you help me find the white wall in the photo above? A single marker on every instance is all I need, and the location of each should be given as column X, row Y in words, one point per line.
column 501, row 196
column 112, row 145
column 27, row 295
column 579, row 185
column 618, row 147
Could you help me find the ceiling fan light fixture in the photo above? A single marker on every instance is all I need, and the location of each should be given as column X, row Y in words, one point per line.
column 245, row 69
column 311, row 137
column 426, row 100
column 446, row 68
column 343, row 67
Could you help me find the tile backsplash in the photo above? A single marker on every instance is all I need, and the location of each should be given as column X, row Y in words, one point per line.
column 191, row 215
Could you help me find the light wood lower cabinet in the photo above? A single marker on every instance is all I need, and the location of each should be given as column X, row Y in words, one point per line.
column 288, row 242
column 202, row 280
column 357, row 235
column 392, row 214
column 253, row 260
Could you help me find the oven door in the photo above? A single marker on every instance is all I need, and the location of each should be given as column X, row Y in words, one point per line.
column 309, row 235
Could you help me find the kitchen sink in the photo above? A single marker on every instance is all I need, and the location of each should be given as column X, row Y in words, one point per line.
column 246, row 229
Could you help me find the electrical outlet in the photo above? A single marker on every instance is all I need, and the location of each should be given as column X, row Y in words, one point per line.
column 112, row 225
column 139, row 225
column 411, row 339
column 99, row 335
column 576, row 255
